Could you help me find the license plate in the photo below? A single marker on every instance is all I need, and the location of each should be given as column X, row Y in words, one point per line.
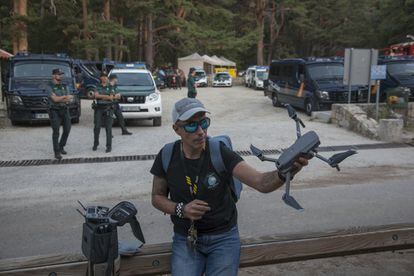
column 130, row 108
column 42, row 116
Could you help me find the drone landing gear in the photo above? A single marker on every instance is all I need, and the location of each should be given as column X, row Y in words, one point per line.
column 291, row 201
column 287, row 198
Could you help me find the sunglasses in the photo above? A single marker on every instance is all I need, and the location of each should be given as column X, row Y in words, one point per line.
column 192, row 127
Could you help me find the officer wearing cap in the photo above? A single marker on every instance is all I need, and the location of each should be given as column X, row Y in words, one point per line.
column 113, row 80
column 103, row 112
column 206, row 238
column 191, row 84
column 60, row 97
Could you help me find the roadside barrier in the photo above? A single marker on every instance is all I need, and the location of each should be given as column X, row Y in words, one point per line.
column 272, row 249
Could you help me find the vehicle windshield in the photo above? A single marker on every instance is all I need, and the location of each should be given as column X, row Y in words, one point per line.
column 401, row 68
column 134, row 79
column 200, row 74
column 92, row 68
column 40, row 70
column 261, row 75
column 222, row 76
column 326, row 71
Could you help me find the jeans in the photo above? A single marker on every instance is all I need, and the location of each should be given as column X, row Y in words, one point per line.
column 214, row 255
column 59, row 117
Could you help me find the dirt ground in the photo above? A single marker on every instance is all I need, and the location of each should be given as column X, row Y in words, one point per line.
column 374, row 188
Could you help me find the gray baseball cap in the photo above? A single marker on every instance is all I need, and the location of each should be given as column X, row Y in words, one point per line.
column 185, row 108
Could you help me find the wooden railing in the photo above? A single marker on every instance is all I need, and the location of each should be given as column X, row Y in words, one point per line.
column 155, row 259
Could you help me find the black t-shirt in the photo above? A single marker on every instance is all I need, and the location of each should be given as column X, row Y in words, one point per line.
column 212, row 188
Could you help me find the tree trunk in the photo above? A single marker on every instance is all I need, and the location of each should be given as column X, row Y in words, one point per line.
column 15, row 37
column 20, row 40
column 140, row 39
column 107, row 17
column 42, row 9
column 121, row 42
column 275, row 27
column 94, row 28
column 85, row 28
column 272, row 32
column 149, row 47
column 260, row 9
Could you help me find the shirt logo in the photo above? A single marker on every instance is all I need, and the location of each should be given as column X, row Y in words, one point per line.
column 212, row 181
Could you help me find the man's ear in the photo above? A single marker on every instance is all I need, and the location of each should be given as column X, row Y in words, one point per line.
column 176, row 128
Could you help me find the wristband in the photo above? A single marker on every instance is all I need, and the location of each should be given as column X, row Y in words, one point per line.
column 179, row 210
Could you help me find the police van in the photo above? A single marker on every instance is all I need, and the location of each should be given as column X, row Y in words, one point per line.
column 311, row 84
column 400, row 74
column 29, row 86
column 140, row 98
column 87, row 77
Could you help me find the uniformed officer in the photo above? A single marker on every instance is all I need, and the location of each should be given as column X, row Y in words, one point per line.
column 103, row 111
column 113, row 80
column 60, row 97
column 191, row 84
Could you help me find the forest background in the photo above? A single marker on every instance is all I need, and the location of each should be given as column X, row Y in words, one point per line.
column 245, row 31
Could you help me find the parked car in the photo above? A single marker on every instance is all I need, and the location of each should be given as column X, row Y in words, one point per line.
column 222, row 79
column 311, row 84
column 29, row 86
column 200, row 78
column 400, row 74
column 140, row 98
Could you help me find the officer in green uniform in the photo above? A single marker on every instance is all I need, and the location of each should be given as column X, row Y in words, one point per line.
column 103, row 111
column 191, row 85
column 113, row 80
column 59, row 112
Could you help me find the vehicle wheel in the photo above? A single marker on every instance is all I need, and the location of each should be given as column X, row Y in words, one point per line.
column 90, row 93
column 245, row 84
column 309, row 107
column 75, row 120
column 156, row 121
column 254, row 86
column 275, row 101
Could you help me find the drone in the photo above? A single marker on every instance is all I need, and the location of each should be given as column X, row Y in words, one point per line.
column 305, row 145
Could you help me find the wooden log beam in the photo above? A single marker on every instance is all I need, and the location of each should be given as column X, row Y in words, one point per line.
column 155, row 259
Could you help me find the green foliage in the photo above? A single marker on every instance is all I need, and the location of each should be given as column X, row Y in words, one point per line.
column 215, row 27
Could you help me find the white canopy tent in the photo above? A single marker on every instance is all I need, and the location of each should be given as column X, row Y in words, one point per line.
column 209, row 64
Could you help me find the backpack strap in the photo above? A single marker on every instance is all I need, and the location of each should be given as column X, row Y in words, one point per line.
column 215, row 155
column 166, row 154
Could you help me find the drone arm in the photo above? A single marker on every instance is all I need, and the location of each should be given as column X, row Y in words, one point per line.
column 321, row 157
column 298, row 134
column 264, row 158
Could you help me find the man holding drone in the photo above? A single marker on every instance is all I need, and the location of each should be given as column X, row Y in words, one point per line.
column 199, row 198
